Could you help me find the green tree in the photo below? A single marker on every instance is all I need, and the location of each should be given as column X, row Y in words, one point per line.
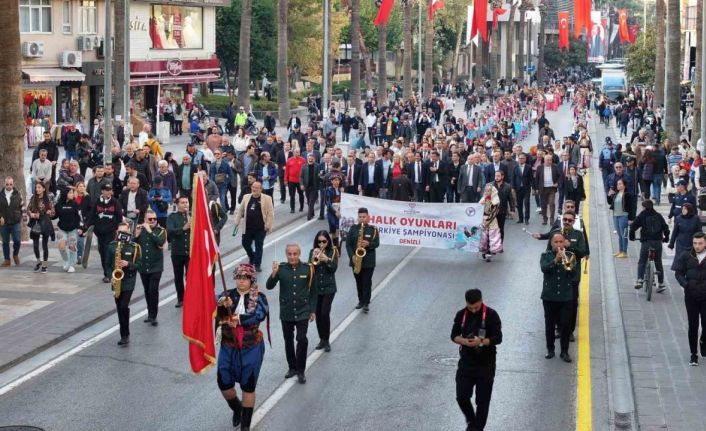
column 554, row 58
column 641, row 58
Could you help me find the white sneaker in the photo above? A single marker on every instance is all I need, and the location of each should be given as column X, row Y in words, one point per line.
column 66, row 267
column 71, row 270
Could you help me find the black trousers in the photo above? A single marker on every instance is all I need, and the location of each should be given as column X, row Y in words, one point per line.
column 364, row 284
column 323, row 316
column 44, row 240
column 151, row 284
column 257, row 238
column 282, row 189
column 419, row 193
column 180, row 265
column 501, row 224
column 103, row 240
column 694, row 311
column 233, row 191
column 482, row 380
column 312, row 195
column 557, row 313
column 294, row 188
column 296, row 359
column 645, row 247
column 470, row 195
column 436, row 192
column 322, row 197
column 523, row 203
column 122, row 304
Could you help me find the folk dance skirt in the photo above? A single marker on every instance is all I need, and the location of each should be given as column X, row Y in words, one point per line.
column 490, row 241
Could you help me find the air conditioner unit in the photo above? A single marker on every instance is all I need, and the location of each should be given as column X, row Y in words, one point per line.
column 70, row 59
column 33, row 49
column 85, row 43
column 97, row 40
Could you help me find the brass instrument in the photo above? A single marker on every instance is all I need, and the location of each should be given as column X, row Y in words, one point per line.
column 118, row 274
column 360, row 251
column 567, row 261
column 315, row 256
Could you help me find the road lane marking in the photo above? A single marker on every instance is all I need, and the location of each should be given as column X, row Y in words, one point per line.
column 283, row 388
column 584, row 407
column 61, row 356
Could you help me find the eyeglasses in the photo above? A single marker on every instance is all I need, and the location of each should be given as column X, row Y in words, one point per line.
column 151, row 219
column 323, row 241
column 568, row 220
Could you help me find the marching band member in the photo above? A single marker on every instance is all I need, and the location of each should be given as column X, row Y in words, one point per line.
column 124, row 255
column 151, row 237
column 179, row 233
column 333, row 208
column 361, row 241
column 324, row 257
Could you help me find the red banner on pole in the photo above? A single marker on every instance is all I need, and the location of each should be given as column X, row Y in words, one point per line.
column 384, row 12
column 564, row 30
column 496, row 13
column 634, row 29
column 623, row 31
column 434, row 5
column 582, row 16
column 480, row 19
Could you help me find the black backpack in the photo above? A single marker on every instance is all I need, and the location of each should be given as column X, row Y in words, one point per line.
column 652, row 227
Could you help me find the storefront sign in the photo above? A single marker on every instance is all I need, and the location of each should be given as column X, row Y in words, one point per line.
column 415, row 224
column 190, row 2
column 95, row 73
column 175, row 67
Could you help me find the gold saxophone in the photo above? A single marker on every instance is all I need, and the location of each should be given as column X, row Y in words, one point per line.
column 360, row 251
column 118, row 274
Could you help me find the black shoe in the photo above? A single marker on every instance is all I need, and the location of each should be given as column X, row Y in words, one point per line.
column 308, row 218
column 321, row 217
column 327, row 347
column 43, row 270
column 37, row 267
column 359, row 306
column 366, row 309
column 571, row 338
column 702, row 346
column 694, row 361
column 106, row 280
column 527, row 222
column 290, row 373
column 124, row 341
column 519, row 222
column 301, row 378
column 281, row 201
column 321, row 345
column 565, row 357
column 179, row 304
column 231, row 212
column 154, row 322
column 291, row 211
column 301, row 210
column 237, row 408
column 148, row 320
column 549, row 355
column 257, row 268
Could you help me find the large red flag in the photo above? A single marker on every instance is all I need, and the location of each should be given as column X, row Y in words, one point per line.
column 199, row 295
column 480, row 19
column 564, row 30
column 633, row 33
column 623, row 31
column 434, row 5
column 582, row 16
column 384, row 12
column 496, row 13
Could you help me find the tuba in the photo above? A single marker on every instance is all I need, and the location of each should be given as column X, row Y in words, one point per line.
column 118, row 274
column 359, row 251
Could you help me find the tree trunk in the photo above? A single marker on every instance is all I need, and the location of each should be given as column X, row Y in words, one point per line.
column 244, row 54
column 540, row 50
column 428, row 59
column 661, row 14
column 408, row 51
column 355, row 54
column 520, row 62
column 333, row 48
column 672, row 100
column 282, row 78
column 457, row 50
column 382, row 65
column 493, row 52
column 11, row 129
column 367, row 60
column 119, row 58
column 510, row 45
column 698, row 73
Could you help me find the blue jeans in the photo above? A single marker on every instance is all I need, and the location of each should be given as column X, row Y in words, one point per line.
column 222, row 191
column 7, row 231
column 68, row 246
column 657, row 180
column 621, row 225
column 70, row 155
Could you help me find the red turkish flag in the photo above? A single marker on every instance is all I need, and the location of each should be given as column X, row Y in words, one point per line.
column 564, row 30
column 633, row 33
column 384, row 12
column 496, row 13
column 623, row 31
column 480, row 19
column 199, row 294
column 434, row 5
column 582, row 16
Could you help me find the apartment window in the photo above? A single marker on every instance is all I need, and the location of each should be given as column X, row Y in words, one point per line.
column 88, row 17
column 35, row 16
column 66, row 20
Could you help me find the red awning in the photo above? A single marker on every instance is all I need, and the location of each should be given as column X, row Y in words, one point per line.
column 168, row 79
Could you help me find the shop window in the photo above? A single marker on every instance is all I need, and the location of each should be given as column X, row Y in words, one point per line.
column 38, row 106
column 35, row 16
column 66, row 21
column 88, row 17
column 176, row 27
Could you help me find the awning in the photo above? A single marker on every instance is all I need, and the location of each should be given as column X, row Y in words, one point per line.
column 52, row 74
column 168, row 79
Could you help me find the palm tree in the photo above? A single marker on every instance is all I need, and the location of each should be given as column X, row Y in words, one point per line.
column 407, row 54
column 244, row 55
column 540, row 45
column 11, row 130
column 478, row 60
column 672, row 92
column 698, row 73
column 520, row 61
column 510, row 43
column 282, row 78
column 119, row 57
column 355, row 54
column 382, row 65
column 661, row 14
column 428, row 57
column 494, row 50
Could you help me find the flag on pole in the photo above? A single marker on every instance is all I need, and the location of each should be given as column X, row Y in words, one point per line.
column 582, row 16
column 564, row 30
column 384, row 12
column 480, row 19
column 633, row 33
column 434, row 5
column 469, row 23
column 496, row 13
column 623, row 30
column 199, row 294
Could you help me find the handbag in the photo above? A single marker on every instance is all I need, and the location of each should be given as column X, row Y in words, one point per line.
column 220, row 178
column 36, row 228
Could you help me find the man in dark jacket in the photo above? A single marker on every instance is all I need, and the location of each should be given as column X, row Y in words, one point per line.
column 506, row 200
column 691, row 275
column 653, row 232
column 477, row 329
column 546, row 182
column 522, row 184
column 681, row 197
column 310, row 182
column 10, row 221
column 133, row 201
column 106, row 214
column 402, row 188
column 71, row 142
column 437, row 178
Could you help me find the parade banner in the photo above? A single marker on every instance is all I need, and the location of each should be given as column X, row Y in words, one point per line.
column 596, row 39
column 416, row 224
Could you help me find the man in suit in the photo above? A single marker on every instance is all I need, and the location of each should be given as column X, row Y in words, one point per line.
column 493, row 167
column 370, row 178
column 506, row 200
column 437, row 178
column 324, row 172
column 509, row 164
column 417, row 174
column 350, row 170
column 564, row 169
column 385, row 166
column 470, row 180
column 309, row 182
column 547, row 180
column 522, row 183
column 133, row 200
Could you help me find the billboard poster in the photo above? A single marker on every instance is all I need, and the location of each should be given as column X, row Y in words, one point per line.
column 176, row 27
column 597, row 39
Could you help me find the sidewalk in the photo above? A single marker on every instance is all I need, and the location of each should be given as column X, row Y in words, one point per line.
column 668, row 392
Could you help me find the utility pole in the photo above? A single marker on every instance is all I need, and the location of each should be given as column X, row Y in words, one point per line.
column 108, row 85
column 126, row 64
column 703, row 74
column 419, row 50
column 325, row 81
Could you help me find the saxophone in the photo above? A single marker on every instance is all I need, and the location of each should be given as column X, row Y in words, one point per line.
column 118, row 274
column 360, row 251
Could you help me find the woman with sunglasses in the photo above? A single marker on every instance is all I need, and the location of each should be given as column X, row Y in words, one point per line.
column 238, row 317
column 324, row 257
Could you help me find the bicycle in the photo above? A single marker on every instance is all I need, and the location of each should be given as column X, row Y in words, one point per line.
column 650, row 273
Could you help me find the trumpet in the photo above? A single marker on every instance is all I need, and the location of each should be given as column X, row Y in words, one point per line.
column 567, row 261
column 315, row 256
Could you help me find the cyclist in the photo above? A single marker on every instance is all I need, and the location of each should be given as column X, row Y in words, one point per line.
column 653, row 232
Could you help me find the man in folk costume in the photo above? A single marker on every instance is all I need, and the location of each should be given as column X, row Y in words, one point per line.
column 238, row 317
column 490, row 239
